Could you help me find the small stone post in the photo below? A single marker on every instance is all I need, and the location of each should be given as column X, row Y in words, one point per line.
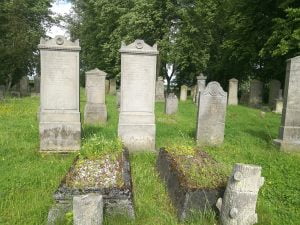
column 233, row 92
column 201, row 84
column 112, row 86
column 255, row 95
column 183, row 92
column 279, row 103
column 159, row 90
column 171, row 105
column 273, row 92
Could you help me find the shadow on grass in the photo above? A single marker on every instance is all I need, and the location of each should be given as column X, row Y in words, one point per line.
column 89, row 131
column 260, row 134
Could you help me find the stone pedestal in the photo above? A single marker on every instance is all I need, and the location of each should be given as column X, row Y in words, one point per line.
column 59, row 127
column 137, row 120
column 274, row 92
column 171, row 105
column 289, row 132
column 211, row 115
column 159, row 90
column 201, row 84
column 255, row 95
column 183, row 92
column 95, row 109
column 233, row 92
column 112, row 86
column 24, row 86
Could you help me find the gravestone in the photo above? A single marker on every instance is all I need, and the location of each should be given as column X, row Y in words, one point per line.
column 106, row 86
column 211, row 115
column 233, row 92
column 255, row 95
column 171, row 105
column 279, row 103
column 289, row 132
column 159, row 90
column 244, row 98
column 137, row 120
column 2, row 92
column 59, row 126
column 183, row 92
column 88, row 209
column 24, row 86
column 193, row 92
column 112, row 86
column 273, row 92
column 37, row 82
column 201, row 83
column 95, row 109
column 118, row 98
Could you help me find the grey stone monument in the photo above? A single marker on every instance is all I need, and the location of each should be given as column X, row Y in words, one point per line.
column 88, row 209
column 59, row 126
column 289, row 132
column 37, row 84
column 95, row 109
column 255, row 95
column 233, row 92
column 159, row 90
column 136, row 119
column 112, row 86
column 275, row 86
column 183, row 92
column 211, row 115
column 24, row 86
column 240, row 197
column 279, row 103
column 171, row 105
column 201, row 84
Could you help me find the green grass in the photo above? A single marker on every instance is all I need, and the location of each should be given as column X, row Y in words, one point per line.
column 29, row 179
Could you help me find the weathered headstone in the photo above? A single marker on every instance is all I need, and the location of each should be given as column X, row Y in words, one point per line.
column 279, row 103
column 240, row 197
column 159, row 90
column 88, row 209
column 183, row 92
column 244, row 98
column 37, row 84
column 233, row 92
column 273, row 92
column 171, row 105
column 106, row 86
column 95, row 109
column 211, row 115
column 24, row 86
column 59, row 127
column 201, row 84
column 255, row 95
column 2, row 92
column 137, row 120
column 289, row 132
column 112, row 86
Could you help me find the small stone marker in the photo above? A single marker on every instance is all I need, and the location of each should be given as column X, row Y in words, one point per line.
column 136, row 119
column 171, row 105
column 279, row 103
column 211, row 115
column 274, row 92
column 106, row 86
column 233, row 92
column 289, row 132
column 193, row 92
column 95, row 109
column 59, row 127
column 118, row 98
column 183, row 92
column 88, row 209
column 255, row 95
column 201, row 84
column 37, row 84
column 24, row 86
column 240, row 197
column 112, row 86
column 160, row 90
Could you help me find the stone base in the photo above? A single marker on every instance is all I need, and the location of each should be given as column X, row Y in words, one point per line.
column 95, row 114
column 287, row 146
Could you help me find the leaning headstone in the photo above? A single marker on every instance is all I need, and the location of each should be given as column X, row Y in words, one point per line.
column 95, row 109
column 279, row 103
column 137, row 120
column 2, row 92
column 273, row 92
column 183, row 92
column 112, row 86
column 24, row 86
column 201, row 84
column 59, row 127
column 255, row 95
column 171, row 105
column 106, row 86
column 239, row 201
column 37, row 82
column 211, row 115
column 233, row 92
column 289, row 132
column 88, row 209
column 159, row 90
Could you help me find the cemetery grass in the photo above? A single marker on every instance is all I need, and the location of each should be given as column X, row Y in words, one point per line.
column 28, row 179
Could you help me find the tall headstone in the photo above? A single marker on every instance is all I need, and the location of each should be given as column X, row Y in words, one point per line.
column 137, row 120
column 106, row 86
column 183, row 92
column 159, row 90
column 256, row 92
column 59, row 126
column 24, row 86
column 112, row 86
column 201, row 84
column 211, row 115
column 275, row 86
column 95, row 109
column 171, row 105
column 279, row 103
column 233, row 92
column 37, row 84
column 289, row 132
